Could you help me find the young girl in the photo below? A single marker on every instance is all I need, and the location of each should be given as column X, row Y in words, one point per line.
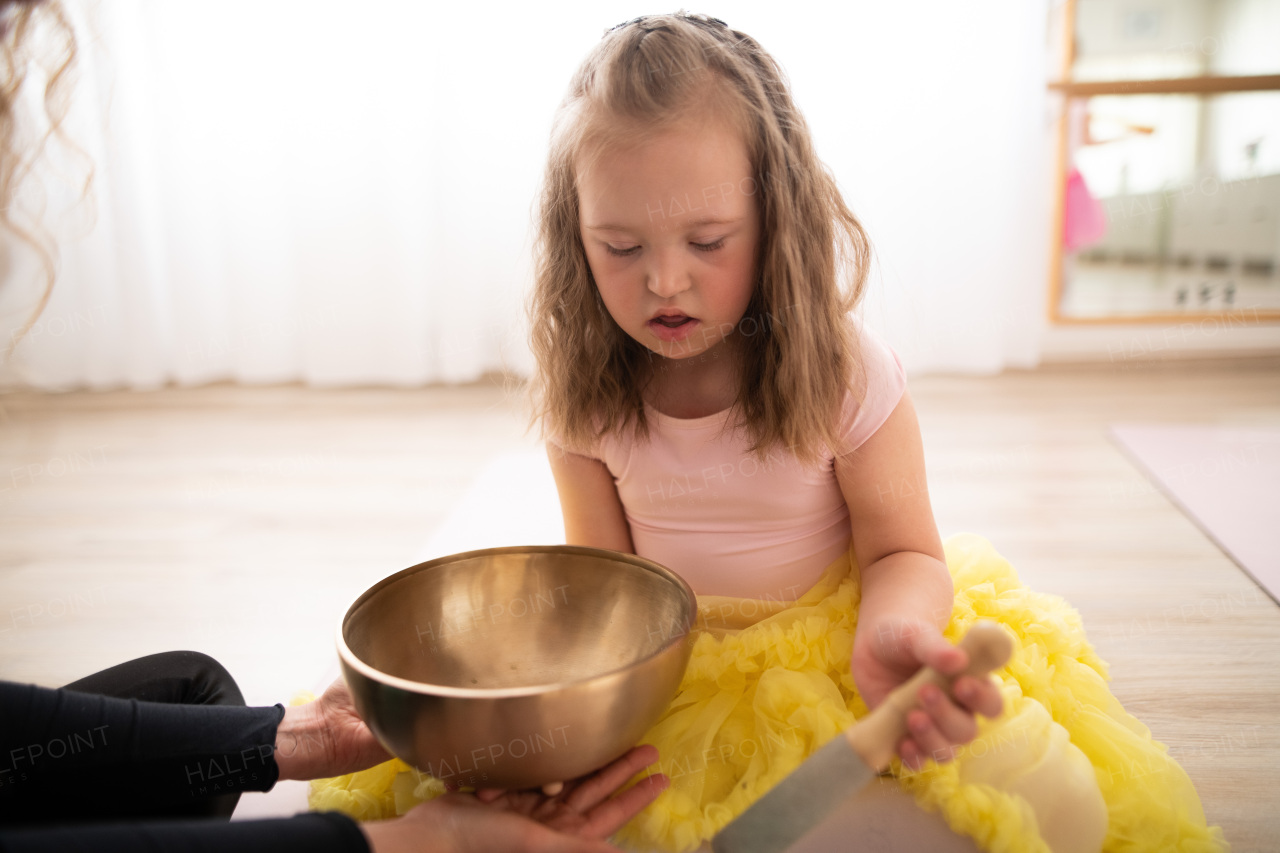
column 711, row 404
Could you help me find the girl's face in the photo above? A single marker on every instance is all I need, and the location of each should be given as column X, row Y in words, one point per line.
column 670, row 229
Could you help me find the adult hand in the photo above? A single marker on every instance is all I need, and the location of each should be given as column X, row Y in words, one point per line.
column 577, row 820
column 887, row 654
column 325, row 738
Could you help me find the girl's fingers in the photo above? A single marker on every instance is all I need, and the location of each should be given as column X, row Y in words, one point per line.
column 912, row 758
column 935, row 651
column 956, row 723
column 941, row 725
column 604, row 782
column 488, row 795
column 930, row 741
column 980, row 695
column 609, row 816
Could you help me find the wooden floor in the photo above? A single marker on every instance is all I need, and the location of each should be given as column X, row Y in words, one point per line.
column 242, row 521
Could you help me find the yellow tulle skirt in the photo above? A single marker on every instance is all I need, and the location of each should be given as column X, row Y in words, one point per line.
column 768, row 683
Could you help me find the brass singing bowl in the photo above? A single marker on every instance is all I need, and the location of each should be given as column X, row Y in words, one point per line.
column 515, row 667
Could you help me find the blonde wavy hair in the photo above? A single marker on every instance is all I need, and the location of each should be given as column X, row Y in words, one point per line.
column 21, row 24
column 644, row 77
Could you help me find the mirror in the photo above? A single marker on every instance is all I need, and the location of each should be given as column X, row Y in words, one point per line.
column 1169, row 201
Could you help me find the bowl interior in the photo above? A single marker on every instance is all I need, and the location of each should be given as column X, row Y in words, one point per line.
column 511, row 618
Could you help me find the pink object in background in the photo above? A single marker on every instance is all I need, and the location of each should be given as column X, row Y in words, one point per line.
column 1084, row 221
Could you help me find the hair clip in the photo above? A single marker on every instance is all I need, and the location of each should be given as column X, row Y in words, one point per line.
column 709, row 20
column 627, row 23
column 698, row 19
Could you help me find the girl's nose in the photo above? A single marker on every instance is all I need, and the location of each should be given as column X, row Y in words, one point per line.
column 667, row 279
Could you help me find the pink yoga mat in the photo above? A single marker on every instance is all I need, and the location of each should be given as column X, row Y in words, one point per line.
column 1227, row 479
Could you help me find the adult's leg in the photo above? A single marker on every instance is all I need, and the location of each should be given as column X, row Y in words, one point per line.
column 182, row 678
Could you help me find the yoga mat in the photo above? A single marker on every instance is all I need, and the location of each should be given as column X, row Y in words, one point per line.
column 1226, row 479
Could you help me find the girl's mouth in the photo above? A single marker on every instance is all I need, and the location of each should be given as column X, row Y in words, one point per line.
column 672, row 327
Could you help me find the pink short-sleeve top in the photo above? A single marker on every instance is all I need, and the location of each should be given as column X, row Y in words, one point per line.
column 731, row 522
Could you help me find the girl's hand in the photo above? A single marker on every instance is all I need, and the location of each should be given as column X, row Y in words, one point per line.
column 577, row 820
column 888, row 653
column 325, row 738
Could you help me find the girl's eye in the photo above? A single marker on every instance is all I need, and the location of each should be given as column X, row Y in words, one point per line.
column 701, row 247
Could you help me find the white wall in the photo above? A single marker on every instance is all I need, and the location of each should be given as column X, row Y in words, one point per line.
column 342, row 194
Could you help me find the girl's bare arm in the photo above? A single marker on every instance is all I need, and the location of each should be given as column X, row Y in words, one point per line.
column 593, row 514
column 895, row 538
column 906, row 590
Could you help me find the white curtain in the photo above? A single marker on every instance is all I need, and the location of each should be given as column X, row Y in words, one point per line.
column 343, row 194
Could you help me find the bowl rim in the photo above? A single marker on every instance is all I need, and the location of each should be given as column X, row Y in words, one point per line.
column 349, row 658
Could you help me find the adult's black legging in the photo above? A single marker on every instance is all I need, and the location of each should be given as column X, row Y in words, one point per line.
column 152, row 754
column 69, row 756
